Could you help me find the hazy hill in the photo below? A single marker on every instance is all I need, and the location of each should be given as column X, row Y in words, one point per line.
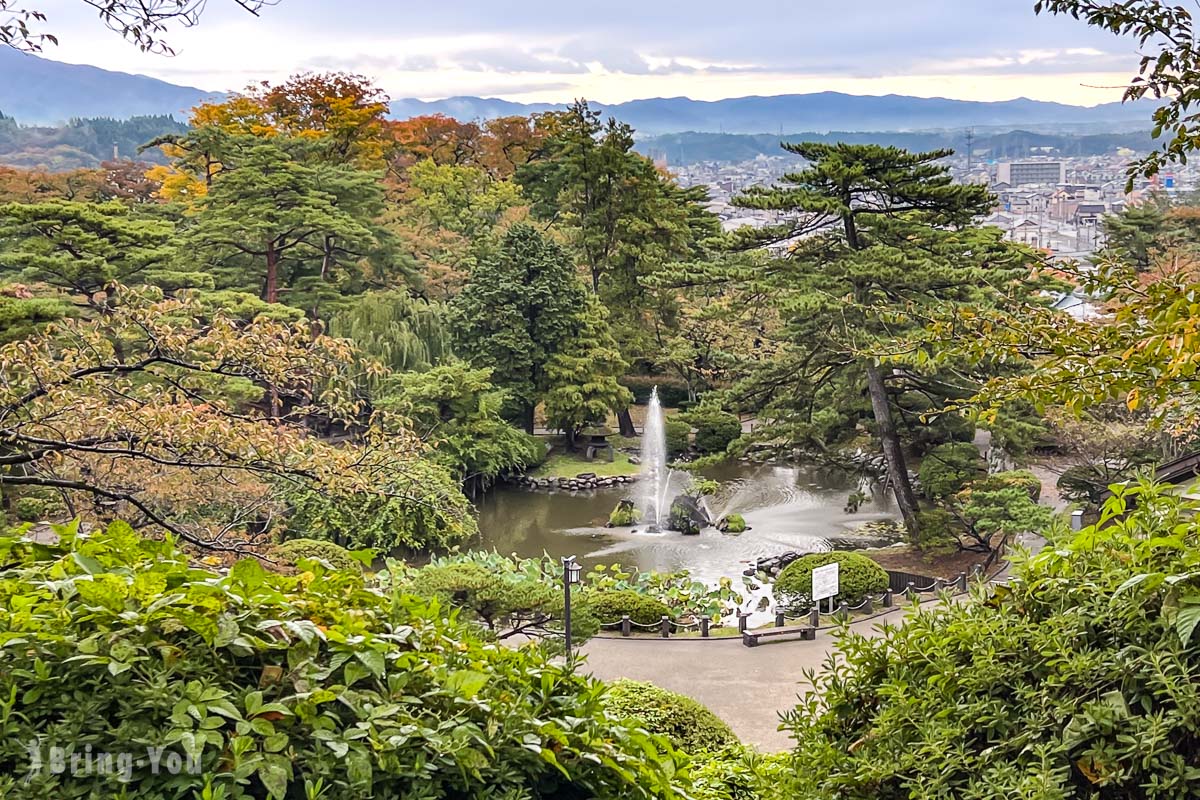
column 40, row 91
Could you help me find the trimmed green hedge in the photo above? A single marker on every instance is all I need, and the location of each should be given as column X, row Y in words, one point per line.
column 294, row 550
column 689, row 725
column 858, row 576
column 610, row 606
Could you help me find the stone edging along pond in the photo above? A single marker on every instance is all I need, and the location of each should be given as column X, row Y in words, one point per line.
column 581, row 482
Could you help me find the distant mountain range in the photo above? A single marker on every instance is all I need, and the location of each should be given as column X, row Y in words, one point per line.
column 821, row 112
column 38, row 90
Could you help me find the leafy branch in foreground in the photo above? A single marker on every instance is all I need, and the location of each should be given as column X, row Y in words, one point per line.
column 1169, row 68
column 319, row 684
column 177, row 416
column 141, row 22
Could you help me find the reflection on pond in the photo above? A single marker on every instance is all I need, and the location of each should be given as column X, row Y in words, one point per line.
column 786, row 507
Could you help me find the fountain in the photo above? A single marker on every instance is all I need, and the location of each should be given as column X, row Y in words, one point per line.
column 655, row 479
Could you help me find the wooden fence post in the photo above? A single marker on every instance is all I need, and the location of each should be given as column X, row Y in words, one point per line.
column 814, row 617
column 626, row 625
column 742, row 622
column 911, row 591
column 780, row 620
column 843, row 611
column 666, row 626
column 887, row 599
column 704, row 621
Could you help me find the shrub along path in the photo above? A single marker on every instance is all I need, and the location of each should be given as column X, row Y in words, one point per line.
column 746, row 687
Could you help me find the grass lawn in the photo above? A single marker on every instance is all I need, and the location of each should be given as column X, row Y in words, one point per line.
column 568, row 465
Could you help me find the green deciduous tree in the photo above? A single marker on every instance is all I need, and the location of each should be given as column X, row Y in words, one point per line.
column 157, row 410
column 398, row 330
column 458, row 411
column 1169, row 69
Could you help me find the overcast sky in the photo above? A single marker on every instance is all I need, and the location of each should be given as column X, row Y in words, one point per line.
column 614, row 50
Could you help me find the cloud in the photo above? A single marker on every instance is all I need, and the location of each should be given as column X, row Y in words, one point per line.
column 622, row 48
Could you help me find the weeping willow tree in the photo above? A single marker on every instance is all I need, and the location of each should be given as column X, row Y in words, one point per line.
column 403, row 332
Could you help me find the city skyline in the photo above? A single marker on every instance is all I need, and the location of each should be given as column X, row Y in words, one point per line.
column 537, row 53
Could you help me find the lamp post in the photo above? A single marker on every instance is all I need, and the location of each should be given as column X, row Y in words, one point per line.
column 571, row 574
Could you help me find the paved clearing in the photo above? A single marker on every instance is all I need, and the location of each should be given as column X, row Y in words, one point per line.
column 747, row 687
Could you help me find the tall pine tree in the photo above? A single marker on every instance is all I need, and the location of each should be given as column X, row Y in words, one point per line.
column 874, row 238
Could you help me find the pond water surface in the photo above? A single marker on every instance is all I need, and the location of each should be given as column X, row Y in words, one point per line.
column 788, row 508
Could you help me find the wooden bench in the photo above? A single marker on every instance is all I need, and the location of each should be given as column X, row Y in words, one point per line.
column 805, row 632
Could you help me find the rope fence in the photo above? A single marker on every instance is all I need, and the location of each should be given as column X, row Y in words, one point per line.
column 871, row 607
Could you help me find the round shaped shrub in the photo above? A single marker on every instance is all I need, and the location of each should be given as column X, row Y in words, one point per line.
column 689, row 725
column 715, row 428
column 679, row 435
column 293, row 551
column 947, row 468
column 858, row 576
column 609, row 606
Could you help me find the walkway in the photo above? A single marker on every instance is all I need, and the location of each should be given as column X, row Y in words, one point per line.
column 746, row 687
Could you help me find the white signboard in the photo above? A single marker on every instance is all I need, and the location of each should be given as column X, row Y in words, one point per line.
column 825, row 581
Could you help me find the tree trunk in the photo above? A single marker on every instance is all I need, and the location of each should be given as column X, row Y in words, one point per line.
column 893, row 453
column 527, row 418
column 625, row 423
column 271, row 287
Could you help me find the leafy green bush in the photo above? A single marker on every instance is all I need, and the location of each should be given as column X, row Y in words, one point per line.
column 293, row 551
column 321, row 685
column 678, row 435
column 610, row 606
column 30, row 509
column 689, row 725
column 715, row 428
column 947, row 468
column 739, row 773
column 1077, row 681
column 858, row 576
column 508, row 603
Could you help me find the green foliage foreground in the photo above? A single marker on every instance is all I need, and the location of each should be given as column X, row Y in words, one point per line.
column 1079, row 680
column 316, row 685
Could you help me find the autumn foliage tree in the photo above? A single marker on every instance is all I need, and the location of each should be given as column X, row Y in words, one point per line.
column 154, row 411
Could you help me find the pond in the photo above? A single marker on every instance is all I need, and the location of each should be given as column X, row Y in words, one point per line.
column 788, row 508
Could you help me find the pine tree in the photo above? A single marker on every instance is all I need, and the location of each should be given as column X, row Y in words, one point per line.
column 875, row 237
column 85, row 248
column 274, row 225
